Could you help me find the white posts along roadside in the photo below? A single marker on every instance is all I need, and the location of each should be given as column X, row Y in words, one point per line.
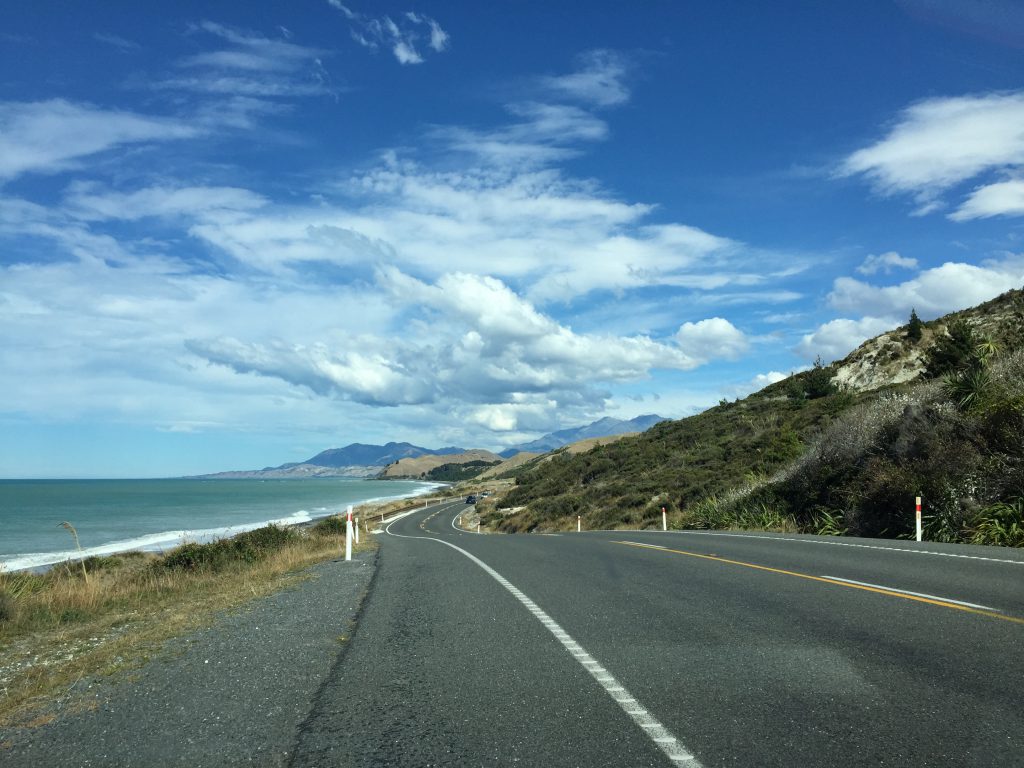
column 664, row 519
column 579, row 523
column 356, row 529
column 348, row 534
column 918, row 516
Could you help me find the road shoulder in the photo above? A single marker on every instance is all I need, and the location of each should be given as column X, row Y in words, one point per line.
column 232, row 693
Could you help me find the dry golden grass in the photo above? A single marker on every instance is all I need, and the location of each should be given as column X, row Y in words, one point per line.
column 66, row 626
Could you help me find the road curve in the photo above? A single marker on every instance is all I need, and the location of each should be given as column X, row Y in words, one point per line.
column 684, row 648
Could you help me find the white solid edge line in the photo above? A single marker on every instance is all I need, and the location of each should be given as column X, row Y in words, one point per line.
column 845, row 544
column 659, row 735
column 914, row 594
column 460, row 530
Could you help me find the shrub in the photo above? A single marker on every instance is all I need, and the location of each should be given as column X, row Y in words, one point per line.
column 330, row 526
column 818, row 380
column 953, row 351
column 217, row 555
column 8, row 606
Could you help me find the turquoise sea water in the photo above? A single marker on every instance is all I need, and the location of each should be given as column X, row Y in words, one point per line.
column 118, row 515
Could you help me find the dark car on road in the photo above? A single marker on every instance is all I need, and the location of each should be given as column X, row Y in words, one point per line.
column 471, row 499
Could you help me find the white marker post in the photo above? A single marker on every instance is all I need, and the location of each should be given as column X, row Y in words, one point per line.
column 357, row 530
column 664, row 519
column 348, row 534
column 579, row 524
column 478, row 526
column 918, row 515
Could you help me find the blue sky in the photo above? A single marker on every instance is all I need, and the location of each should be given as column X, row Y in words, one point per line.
column 235, row 234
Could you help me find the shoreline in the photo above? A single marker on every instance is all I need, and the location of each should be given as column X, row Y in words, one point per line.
column 164, row 541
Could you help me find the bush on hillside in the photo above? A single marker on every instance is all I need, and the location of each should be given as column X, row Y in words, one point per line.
column 953, row 351
column 915, row 328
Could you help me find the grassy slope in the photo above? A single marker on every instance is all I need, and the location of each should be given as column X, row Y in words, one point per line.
column 627, row 482
column 846, row 462
column 65, row 624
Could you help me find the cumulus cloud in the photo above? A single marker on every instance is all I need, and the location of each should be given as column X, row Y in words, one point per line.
column 51, row 136
column 837, row 338
column 886, row 262
column 713, row 338
column 756, row 384
column 402, row 37
column 933, row 292
column 470, row 343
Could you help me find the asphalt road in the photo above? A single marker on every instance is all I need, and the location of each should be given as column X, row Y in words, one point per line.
column 623, row 648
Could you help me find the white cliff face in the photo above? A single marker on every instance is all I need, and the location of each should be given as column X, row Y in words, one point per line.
column 893, row 359
column 883, row 360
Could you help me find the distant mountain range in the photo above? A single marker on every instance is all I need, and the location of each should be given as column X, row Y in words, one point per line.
column 363, row 455
column 363, row 460
column 600, row 428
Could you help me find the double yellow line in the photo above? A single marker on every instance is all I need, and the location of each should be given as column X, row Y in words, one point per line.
column 864, row 587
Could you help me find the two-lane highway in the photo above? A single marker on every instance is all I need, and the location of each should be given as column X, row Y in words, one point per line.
column 686, row 648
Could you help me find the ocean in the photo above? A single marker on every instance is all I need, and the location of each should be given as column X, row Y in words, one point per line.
column 120, row 515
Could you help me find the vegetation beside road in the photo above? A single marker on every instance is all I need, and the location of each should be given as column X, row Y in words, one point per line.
column 808, row 455
column 88, row 619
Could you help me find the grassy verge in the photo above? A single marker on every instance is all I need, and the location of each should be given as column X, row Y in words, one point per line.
column 72, row 623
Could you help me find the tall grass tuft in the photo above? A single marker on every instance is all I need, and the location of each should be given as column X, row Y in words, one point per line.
column 1000, row 524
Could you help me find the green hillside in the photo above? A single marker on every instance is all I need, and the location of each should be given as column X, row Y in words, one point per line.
column 806, row 455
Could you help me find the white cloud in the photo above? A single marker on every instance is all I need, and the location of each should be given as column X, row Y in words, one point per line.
column 713, row 338
column 886, row 262
column 93, row 203
column 127, row 46
column 933, row 292
column 756, row 384
column 939, row 143
column 1005, row 198
column 599, row 79
column 837, row 338
column 402, row 37
column 51, row 136
column 559, row 238
column 467, row 343
column 253, row 66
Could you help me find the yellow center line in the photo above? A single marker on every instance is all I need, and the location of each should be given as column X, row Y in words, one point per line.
column 809, row 577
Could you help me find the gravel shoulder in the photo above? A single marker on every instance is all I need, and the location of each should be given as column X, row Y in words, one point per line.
column 234, row 693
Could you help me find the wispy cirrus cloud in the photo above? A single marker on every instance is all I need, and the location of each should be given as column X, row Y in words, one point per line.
column 251, row 65
column 121, row 43
column 599, row 79
column 54, row 135
column 1004, row 198
column 402, row 36
column 940, row 143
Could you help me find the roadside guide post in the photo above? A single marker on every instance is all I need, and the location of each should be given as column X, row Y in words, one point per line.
column 918, row 515
column 579, row 523
column 356, row 528
column 348, row 534
column 664, row 519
